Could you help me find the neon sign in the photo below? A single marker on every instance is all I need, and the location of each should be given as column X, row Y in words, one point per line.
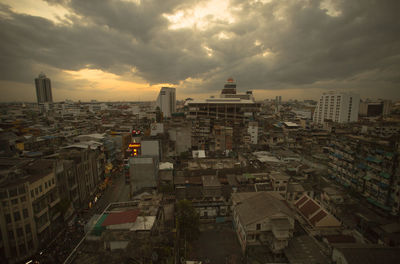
column 134, row 145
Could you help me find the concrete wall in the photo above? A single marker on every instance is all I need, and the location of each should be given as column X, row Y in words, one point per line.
column 150, row 148
column 143, row 173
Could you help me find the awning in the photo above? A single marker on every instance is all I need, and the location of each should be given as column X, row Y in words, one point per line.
column 383, row 185
column 376, row 203
column 361, row 166
column 249, row 176
column 384, row 175
column 389, row 154
column 379, row 151
column 337, row 155
column 373, row 159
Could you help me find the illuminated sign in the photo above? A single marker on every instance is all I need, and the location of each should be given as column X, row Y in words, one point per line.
column 136, row 132
column 134, row 145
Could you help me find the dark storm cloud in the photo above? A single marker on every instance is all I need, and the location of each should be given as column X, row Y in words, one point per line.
column 303, row 44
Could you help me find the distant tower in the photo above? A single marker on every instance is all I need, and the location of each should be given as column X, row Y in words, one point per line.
column 43, row 89
column 229, row 87
column 166, row 101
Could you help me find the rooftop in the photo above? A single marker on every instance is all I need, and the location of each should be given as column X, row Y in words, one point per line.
column 368, row 254
column 261, row 206
column 220, row 101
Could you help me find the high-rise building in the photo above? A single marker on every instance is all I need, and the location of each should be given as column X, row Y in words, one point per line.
column 29, row 207
column 43, row 89
column 278, row 100
column 166, row 101
column 337, row 107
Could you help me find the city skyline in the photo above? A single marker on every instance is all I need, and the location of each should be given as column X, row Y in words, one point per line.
column 128, row 50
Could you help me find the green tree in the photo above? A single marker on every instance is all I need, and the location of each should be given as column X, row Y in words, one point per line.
column 188, row 220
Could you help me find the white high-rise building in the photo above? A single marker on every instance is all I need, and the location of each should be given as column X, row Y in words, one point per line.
column 166, row 101
column 337, row 107
column 252, row 130
column 43, row 89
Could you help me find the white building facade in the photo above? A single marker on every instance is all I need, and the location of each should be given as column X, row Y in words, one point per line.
column 252, row 130
column 337, row 107
column 166, row 101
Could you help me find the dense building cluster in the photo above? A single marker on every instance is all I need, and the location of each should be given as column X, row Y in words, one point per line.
column 269, row 181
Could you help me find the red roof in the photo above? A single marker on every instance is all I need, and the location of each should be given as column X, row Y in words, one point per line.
column 317, row 217
column 301, row 201
column 121, row 218
column 309, row 208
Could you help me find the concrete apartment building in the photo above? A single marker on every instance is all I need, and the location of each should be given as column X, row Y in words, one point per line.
column 143, row 173
column 262, row 219
column 29, row 215
column 367, row 166
column 81, row 175
column 337, row 107
column 166, row 101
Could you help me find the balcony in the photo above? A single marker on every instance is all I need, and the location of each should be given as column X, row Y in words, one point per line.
column 43, row 227
column 280, row 234
column 55, row 216
column 56, row 201
column 41, row 212
column 280, row 228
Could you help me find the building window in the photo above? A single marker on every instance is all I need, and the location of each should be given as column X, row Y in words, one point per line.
column 258, row 227
column 8, row 218
column 36, row 191
column 10, row 234
column 32, row 195
column 14, row 201
column 22, row 249
column 3, row 194
column 40, row 188
column 52, row 181
column 45, row 185
column 4, row 203
column 27, row 228
column 25, row 213
column 20, row 233
column 23, row 199
column 21, row 190
column 30, row 245
column 17, row 216
column 13, row 192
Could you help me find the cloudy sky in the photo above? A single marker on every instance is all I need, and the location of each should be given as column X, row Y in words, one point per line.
column 127, row 49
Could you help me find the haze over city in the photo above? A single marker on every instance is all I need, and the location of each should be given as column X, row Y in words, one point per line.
column 127, row 50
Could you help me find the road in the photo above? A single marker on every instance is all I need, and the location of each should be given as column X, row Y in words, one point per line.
column 69, row 238
column 117, row 192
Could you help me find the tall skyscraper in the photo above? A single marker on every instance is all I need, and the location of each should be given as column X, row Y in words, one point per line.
column 166, row 101
column 337, row 107
column 43, row 89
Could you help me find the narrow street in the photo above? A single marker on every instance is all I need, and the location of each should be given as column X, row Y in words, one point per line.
column 118, row 191
column 68, row 239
